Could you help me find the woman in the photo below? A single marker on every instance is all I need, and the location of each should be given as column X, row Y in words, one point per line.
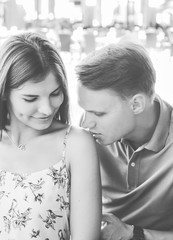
column 49, row 171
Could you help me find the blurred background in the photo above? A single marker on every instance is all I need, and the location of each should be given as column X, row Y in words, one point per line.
column 77, row 27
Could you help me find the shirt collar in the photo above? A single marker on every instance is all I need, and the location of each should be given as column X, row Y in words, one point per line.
column 158, row 140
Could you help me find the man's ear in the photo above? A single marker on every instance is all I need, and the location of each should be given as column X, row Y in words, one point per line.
column 138, row 103
column 4, row 97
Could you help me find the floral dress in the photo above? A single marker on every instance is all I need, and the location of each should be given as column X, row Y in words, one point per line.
column 35, row 206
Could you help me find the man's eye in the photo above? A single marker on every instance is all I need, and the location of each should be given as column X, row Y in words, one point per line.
column 99, row 114
column 29, row 100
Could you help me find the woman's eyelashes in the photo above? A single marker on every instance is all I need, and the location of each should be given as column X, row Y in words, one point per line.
column 57, row 93
column 32, row 99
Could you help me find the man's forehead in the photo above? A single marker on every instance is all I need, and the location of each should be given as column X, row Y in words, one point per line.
column 96, row 101
column 83, row 90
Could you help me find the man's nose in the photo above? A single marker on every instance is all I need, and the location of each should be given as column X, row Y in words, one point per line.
column 87, row 121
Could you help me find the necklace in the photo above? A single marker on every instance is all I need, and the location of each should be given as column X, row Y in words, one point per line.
column 22, row 147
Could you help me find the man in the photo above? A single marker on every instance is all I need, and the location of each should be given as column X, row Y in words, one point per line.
column 134, row 129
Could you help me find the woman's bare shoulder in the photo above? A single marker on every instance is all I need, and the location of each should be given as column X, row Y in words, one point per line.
column 80, row 135
column 80, row 143
column 74, row 134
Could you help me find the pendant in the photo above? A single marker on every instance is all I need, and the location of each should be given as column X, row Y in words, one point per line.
column 22, row 147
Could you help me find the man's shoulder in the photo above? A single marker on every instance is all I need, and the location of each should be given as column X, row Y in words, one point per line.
column 166, row 108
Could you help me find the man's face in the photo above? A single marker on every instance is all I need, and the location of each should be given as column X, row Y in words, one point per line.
column 108, row 117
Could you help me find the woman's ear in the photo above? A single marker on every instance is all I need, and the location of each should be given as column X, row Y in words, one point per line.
column 138, row 103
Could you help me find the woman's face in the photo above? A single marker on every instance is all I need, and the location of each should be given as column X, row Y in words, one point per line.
column 35, row 104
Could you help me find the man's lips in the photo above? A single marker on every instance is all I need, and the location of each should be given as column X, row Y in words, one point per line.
column 95, row 135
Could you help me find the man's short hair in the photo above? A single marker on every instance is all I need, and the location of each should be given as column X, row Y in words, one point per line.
column 124, row 67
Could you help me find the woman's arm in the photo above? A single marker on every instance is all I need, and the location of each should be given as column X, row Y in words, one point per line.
column 85, row 218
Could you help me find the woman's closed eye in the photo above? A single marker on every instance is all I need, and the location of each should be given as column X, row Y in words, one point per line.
column 30, row 99
column 55, row 94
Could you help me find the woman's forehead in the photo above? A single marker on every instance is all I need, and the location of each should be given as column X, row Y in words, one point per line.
column 49, row 83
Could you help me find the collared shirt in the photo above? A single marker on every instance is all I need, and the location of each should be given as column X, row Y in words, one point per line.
column 138, row 184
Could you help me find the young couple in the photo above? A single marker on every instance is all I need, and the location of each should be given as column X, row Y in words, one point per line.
column 50, row 171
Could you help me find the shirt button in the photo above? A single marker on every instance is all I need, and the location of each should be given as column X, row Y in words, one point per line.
column 133, row 164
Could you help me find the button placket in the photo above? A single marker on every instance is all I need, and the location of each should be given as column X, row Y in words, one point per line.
column 133, row 164
column 132, row 171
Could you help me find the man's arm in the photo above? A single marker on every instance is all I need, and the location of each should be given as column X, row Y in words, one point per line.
column 114, row 228
column 158, row 235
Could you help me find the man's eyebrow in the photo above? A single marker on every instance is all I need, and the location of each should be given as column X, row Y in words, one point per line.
column 35, row 95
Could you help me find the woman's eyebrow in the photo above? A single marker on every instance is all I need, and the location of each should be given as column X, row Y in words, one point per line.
column 35, row 95
column 58, row 88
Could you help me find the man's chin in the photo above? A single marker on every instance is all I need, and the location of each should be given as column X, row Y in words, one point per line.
column 104, row 142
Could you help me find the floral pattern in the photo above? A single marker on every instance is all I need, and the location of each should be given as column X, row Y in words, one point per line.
column 35, row 206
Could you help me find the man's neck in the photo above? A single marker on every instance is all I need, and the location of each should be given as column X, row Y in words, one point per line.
column 146, row 125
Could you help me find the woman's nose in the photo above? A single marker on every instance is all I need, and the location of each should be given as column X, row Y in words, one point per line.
column 45, row 107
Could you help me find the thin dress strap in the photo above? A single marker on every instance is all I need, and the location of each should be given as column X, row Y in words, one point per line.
column 65, row 142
